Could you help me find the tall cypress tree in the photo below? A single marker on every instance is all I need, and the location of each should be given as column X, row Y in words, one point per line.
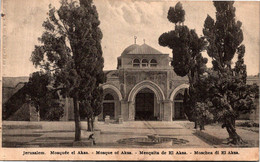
column 187, row 60
column 229, row 94
column 71, row 52
column 219, row 93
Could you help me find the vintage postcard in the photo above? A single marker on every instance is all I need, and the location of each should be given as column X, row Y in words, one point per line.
column 129, row 80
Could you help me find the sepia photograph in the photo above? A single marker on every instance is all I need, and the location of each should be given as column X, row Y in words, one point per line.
column 129, row 79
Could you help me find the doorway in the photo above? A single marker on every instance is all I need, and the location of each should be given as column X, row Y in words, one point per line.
column 179, row 113
column 109, row 106
column 144, row 105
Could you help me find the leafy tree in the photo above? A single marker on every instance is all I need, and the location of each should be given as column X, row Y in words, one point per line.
column 92, row 107
column 43, row 97
column 71, row 52
column 229, row 93
column 219, row 93
column 40, row 95
column 187, row 58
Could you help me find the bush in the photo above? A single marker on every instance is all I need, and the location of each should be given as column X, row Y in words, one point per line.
column 248, row 124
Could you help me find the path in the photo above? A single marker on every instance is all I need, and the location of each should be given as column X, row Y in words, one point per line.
column 61, row 134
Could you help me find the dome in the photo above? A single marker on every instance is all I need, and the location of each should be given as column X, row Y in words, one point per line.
column 129, row 49
column 144, row 49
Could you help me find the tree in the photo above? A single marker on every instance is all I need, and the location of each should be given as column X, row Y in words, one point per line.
column 229, row 93
column 92, row 107
column 38, row 94
column 43, row 97
column 219, row 93
column 71, row 52
column 187, row 58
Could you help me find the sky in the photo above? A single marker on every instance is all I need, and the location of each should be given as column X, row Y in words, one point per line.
column 121, row 20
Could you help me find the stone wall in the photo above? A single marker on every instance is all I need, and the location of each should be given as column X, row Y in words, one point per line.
column 133, row 77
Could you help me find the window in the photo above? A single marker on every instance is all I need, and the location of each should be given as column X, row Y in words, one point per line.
column 153, row 63
column 136, row 63
column 144, row 63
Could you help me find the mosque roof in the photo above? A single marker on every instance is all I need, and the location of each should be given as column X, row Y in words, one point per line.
column 143, row 49
column 129, row 49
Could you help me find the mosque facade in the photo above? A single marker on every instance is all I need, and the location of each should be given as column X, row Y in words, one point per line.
column 143, row 87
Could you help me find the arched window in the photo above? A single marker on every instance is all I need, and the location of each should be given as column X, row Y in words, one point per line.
column 144, row 63
column 153, row 63
column 108, row 97
column 136, row 63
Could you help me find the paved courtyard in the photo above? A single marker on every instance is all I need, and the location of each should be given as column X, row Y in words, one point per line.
column 61, row 134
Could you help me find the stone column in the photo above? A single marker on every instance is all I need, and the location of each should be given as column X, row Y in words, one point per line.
column 124, row 110
column 156, row 110
column 167, row 113
column 131, row 112
column 117, row 109
column 160, row 104
column 173, row 110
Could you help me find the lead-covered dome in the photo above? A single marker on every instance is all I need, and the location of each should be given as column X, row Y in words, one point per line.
column 129, row 49
column 140, row 49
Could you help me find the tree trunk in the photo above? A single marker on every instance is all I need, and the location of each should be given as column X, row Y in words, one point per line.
column 92, row 123
column 196, row 125
column 88, row 123
column 77, row 119
column 202, row 126
column 235, row 138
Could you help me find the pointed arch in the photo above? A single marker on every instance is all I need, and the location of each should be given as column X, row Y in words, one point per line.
column 146, row 84
column 110, row 86
column 174, row 92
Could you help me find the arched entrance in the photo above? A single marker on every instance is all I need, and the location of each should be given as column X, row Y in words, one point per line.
column 108, row 106
column 111, row 102
column 145, row 105
column 177, row 97
column 178, row 106
column 145, row 101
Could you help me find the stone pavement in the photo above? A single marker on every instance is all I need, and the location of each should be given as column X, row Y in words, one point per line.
column 111, row 133
column 61, row 134
column 217, row 136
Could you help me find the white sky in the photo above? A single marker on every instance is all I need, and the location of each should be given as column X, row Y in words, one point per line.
column 120, row 22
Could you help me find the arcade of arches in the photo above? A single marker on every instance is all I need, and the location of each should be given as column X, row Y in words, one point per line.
column 144, row 103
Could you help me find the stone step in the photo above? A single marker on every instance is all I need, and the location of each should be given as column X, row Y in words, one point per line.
column 22, row 126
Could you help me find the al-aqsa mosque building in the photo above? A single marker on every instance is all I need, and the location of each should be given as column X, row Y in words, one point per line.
column 144, row 87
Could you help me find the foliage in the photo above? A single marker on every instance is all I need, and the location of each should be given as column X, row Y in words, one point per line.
column 176, row 14
column 71, row 52
column 188, row 61
column 92, row 107
column 248, row 124
column 224, row 36
column 229, row 93
column 221, row 93
column 37, row 93
column 44, row 97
